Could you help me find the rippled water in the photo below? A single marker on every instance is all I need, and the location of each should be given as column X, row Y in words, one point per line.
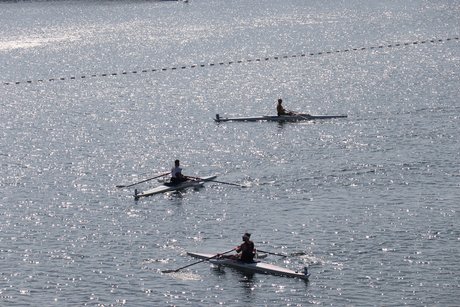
column 369, row 203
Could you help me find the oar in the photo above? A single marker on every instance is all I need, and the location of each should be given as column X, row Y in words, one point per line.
column 130, row 185
column 276, row 254
column 202, row 260
column 294, row 254
column 223, row 182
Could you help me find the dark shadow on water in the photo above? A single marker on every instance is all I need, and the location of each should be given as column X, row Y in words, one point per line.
column 179, row 194
column 245, row 280
column 281, row 125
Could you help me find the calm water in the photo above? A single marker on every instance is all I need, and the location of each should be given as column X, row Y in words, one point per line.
column 369, row 203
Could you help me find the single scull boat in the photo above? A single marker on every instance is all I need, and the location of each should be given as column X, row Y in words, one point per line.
column 167, row 187
column 282, row 118
column 252, row 267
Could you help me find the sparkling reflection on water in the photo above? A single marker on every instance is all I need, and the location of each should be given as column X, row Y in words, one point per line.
column 369, row 203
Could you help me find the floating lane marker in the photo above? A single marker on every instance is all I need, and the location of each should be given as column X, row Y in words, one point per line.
column 238, row 61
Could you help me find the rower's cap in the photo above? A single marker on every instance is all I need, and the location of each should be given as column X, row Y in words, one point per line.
column 247, row 234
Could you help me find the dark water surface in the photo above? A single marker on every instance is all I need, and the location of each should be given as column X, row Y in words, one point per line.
column 369, row 203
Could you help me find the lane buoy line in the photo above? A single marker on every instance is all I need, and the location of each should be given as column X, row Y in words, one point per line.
column 234, row 62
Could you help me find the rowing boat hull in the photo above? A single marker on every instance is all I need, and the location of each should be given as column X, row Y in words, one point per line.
column 168, row 188
column 252, row 267
column 283, row 118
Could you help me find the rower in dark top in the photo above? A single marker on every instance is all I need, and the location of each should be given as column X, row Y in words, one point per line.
column 176, row 173
column 246, row 249
column 280, row 109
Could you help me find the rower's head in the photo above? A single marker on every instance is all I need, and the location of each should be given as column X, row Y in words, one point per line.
column 176, row 163
column 280, row 101
column 246, row 236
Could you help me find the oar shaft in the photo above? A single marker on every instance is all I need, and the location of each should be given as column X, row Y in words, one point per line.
column 223, row 182
column 202, row 260
column 130, row 185
column 276, row 254
column 229, row 183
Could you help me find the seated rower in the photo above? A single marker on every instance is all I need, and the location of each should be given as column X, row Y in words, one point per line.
column 280, row 109
column 246, row 251
column 176, row 173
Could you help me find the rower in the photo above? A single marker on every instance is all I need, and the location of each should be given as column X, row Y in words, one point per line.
column 280, row 109
column 246, row 249
column 176, row 173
